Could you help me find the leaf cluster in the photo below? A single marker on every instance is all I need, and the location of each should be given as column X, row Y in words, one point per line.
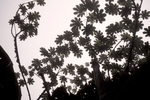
column 52, row 66
column 112, row 45
column 26, row 20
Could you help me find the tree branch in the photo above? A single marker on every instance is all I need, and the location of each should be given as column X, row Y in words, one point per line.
column 137, row 12
column 41, row 94
column 45, row 85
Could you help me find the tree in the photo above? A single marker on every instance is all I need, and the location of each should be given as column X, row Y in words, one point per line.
column 27, row 22
column 103, row 47
column 115, row 52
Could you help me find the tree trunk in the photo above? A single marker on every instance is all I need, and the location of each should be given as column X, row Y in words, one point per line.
column 99, row 81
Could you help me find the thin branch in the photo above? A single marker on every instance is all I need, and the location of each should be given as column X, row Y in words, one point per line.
column 44, row 83
column 18, row 33
column 15, row 29
column 12, row 31
column 19, row 63
column 117, row 45
column 41, row 94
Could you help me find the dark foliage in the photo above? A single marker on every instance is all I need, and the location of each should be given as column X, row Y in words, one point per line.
column 9, row 88
column 125, row 87
column 117, row 54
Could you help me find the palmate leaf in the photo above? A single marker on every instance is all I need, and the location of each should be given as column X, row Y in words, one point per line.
column 28, row 30
column 23, row 36
column 52, row 51
column 44, row 52
column 100, row 36
column 75, row 31
column 59, row 39
column 145, row 14
column 97, row 16
column 30, row 81
column 26, row 34
column 81, row 70
column 23, row 9
column 103, row 58
column 138, row 43
column 132, row 26
column 89, row 30
column 70, row 69
column 58, row 61
column 63, row 79
column 30, row 5
column 21, row 82
column 76, row 23
column 41, row 2
column 75, row 49
column 91, row 4
column 83, row 41
column 63, row 50
column 100, row 46
column 112, row 9
column 65, row 71
column 79, row 10
column 115, row 28
column 31, row 73
column 125, row 37
column 33, row 16
column 125, row 11
column 11, row 21
column 36, row 63
column 68, row 36
column 147, row 31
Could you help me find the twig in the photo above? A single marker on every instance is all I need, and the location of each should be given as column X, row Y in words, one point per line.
column 41, row 94
column 12, row 31
column 117, row 45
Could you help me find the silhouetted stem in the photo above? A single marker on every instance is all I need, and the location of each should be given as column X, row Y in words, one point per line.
column 99, row 82
column 19, row 63
column 45, row 85
column 137, row 12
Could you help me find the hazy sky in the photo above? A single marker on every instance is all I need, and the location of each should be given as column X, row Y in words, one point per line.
column 55, row 18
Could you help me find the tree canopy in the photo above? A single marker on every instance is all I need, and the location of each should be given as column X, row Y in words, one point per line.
column 115, row 51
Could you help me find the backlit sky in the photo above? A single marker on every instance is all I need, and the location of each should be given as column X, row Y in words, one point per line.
column 55, row 18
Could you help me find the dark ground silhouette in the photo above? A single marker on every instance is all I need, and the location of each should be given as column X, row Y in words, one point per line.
column 9, row 89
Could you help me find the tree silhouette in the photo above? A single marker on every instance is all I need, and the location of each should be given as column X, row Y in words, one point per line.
column 115, row 53
column 8, row 81
column 27, row 22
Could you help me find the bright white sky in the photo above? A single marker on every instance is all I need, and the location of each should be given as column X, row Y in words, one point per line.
column 55, row 18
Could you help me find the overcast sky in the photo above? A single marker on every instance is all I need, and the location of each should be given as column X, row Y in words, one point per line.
column 55, row 18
